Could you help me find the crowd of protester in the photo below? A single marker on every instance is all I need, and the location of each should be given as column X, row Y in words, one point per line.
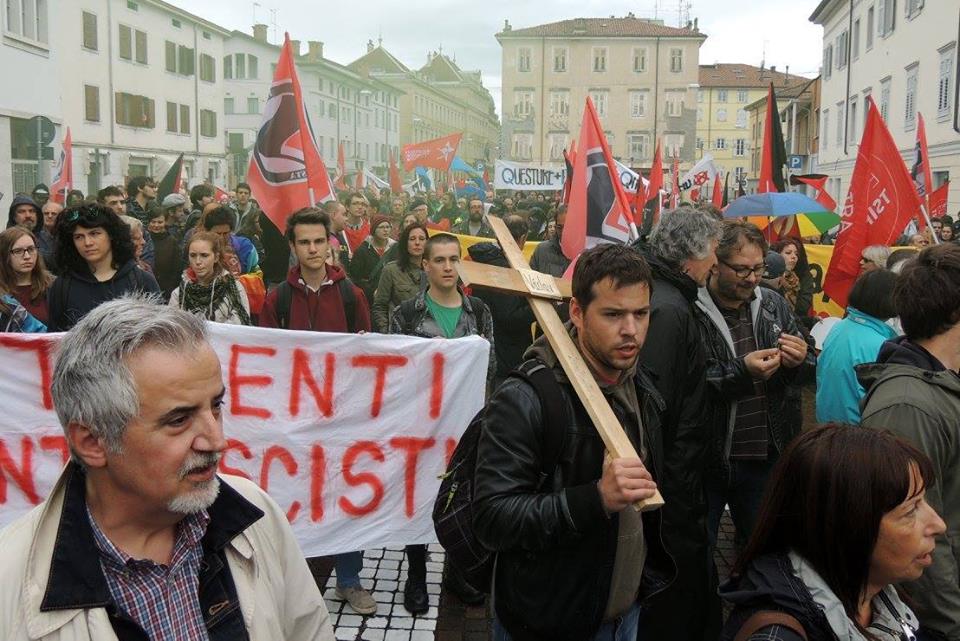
column 699, row 335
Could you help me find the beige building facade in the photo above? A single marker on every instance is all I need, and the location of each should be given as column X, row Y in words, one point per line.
column 641, row 75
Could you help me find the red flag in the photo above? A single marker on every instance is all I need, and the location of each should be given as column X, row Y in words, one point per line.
column 396, row 183
column 220, row 194
column 656, row 175
column 486, row 177
column 599, row 211
column 920, row 171
column 695, row 195
column 63, row 179
column 774, row 154
column 675, row 183
column 818, row 182
column 938, row 200
column 358, row 181
column 717, row 198
column 286, row 171
column 341, row 182
column 437, row 153
column 881, row 201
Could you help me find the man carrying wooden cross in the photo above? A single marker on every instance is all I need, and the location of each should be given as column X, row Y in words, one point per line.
column 575, row 560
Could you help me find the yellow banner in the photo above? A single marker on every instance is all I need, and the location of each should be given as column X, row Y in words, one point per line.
column 819, row 258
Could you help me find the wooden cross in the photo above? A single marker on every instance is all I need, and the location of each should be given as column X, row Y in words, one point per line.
column 540, row 289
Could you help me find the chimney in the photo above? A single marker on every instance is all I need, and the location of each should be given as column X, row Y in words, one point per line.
column 260, row 32
column 295, row 47
column 696, row 26
column 370, row 46
column 506, row 26
column 786, row 76
column 773, row 68
column 314, row 50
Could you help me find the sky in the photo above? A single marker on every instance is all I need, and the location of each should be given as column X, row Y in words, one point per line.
column 776, row 30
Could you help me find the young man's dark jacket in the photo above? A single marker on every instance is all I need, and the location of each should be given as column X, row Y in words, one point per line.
column 557, row 546
column 512, row 315
column 76, row 294
column 673, row 351
column 167, row 265
column 728, row 378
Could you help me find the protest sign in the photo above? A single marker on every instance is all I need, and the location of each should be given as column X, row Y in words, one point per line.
column 518, row 176
column 347, row 433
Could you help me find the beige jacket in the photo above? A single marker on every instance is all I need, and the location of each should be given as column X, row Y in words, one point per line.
column 278, row 596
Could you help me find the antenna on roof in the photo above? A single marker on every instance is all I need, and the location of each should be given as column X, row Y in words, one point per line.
column 276, row 27
column 380, row 36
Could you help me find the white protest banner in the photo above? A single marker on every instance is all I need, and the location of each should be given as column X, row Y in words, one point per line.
column 629, row 178
column 347, row 433
column 700, row 174
column 519, row 176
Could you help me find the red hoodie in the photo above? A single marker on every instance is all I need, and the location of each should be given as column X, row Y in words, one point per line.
column 320, row 311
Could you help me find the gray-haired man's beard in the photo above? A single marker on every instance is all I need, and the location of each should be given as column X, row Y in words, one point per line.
column 204, row 493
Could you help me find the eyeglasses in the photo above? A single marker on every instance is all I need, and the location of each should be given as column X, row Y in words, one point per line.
column 24, row 251
column 744, row 272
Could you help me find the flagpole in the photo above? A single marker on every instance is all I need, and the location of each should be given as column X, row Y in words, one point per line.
column 926, row 218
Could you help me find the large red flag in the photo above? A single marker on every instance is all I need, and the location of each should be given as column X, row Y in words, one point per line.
column 774, row 154
column 599, row 211
column 717, row 199
column 818, row 182
column 396, row 183
column 341, row 177
column 437, row 153
column 938, row 200
column 880, row 203
column 63, row 179
column 286, row 171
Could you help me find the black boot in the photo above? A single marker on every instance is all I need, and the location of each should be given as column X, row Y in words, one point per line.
column 456, row 584
column 415, row 597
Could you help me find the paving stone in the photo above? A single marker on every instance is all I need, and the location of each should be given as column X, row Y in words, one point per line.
column 388, row 586
column 389, row 575
column 401, row 623
column 384, row 597
column 346, row 634
column 389, row 564
column 371, row 634
column 421, row 635
column 434, row 567
column 397, row 635
column 350, row 620
column 434, row 577
column 394, row 556
column 425, row 624
column 433, row 588
column 368, row 573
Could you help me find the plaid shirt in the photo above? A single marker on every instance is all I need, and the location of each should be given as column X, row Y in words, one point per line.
column 161, row 599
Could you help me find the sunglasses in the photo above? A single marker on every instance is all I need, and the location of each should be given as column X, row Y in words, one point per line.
column 83, row 215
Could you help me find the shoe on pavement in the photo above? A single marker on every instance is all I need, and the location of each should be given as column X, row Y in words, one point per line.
column 415, row 597
column 456, row 584
column 359, row 600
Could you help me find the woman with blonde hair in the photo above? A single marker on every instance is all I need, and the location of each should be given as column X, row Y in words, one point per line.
column 208, row 288
column 22, row 272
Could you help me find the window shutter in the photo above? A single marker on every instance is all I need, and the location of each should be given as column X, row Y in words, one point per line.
column 172, row 117
column 126, row 45
column 171, row 57
column 89, row 31
column 184, row 119
column 91, row 99
column 141, row 41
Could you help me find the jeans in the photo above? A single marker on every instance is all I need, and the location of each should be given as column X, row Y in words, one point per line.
column 623, row 628
column 348, row 566
column 742, row 490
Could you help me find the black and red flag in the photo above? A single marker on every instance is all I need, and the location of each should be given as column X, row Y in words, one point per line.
column 774, row 154
column 170, row 183
column 818, row 182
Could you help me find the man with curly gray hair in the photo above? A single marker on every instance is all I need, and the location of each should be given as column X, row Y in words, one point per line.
column 140, row 537
column 681, row 255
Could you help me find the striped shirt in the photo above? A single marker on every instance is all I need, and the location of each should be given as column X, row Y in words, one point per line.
column 750, row 431
column 161, row 599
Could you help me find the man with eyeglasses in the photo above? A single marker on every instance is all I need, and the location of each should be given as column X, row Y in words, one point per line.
column 756, row 363
column 357, row 227
column 548, row 256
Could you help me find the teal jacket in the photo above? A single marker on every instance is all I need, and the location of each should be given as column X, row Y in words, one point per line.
column 15, row 318
column 854, row 340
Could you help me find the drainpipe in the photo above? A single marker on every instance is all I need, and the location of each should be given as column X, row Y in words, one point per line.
column 846, row 98
column 656, row 92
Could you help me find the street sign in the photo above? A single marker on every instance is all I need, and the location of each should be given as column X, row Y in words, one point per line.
column 47, row 132
column 795, row 162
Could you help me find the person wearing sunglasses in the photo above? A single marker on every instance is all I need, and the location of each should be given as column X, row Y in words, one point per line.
column 97, row 260
column 806, row 573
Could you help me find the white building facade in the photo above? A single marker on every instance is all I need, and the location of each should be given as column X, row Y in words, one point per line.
column 904, row 55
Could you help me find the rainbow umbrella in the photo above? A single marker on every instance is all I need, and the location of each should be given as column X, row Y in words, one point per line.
column 811, row 217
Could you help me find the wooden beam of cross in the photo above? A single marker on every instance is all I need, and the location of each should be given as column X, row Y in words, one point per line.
column 540, row 289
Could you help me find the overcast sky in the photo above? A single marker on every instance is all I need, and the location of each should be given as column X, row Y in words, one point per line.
column 737, row 31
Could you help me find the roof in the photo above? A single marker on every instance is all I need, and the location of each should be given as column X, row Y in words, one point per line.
column 741, row 76
column 628, row 27
column 819, row 13
column 784, row 93
column 189, row 16
column 442, row 69
column 378, row 60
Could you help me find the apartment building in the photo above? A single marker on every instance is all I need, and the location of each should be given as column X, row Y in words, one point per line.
column 641, row 74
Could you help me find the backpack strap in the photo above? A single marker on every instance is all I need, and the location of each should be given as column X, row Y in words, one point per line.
column 408, row 309
column 554, row 411
column 479, row 307
column 349, row 299
column 767, row 618
column 284, row 295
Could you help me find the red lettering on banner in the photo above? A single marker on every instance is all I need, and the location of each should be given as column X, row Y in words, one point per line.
column 366, row 478
column 57, row 443
column 237, row 381
column 412, row 446
column 303, row 374
column 23, row 476
column 451, row 446
column 436, row 388
column 380, row 363
column 42, row 347
column 289, row 464
column 318, row 470
column 234, row 444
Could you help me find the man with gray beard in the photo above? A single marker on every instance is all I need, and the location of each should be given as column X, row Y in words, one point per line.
column 140, row 538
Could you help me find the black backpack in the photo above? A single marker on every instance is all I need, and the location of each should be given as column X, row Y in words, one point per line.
column 453, row 509
column 347, row 295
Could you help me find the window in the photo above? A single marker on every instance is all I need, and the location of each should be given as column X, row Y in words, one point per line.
column 828, row 62
column 886, row 16
column 842, row 51
column 841, row 123
column 559, row 103
column 885, row 98
column 600, row 102
column 523, row 59
column 173, row 114
column 253, row 105
column 252, row 67
column 559, row 59
column 870, row 27
column 208, row 68
column 721, row 114
column 721, row 95
column 945, row 83
column 126, row 43
column 599, row 59
column 700, row 144
column 91, row 103
column 676, row 60
column 184, row 119
column 825, row 129
column 332, row 111
column 637, row 146
column 134, row 111
column 740, row 147
column 522, row 146
column 133, row 6
column 176, row 23
column 699, row 114
column 638, row 104
column 208, row 123
column 179, row 59
column 240, row 66
column 89, row 31
column 852, row 122
column 856, row 39
column 914, row 7
column 720, row 144
column 743, row 96
column 228, row 69
column 910, row 101
column 27, row 19
column 639, row 59
column 522, row 103
column 557, row 143
column 675, row 103
column 228, row 106
column 741, row 118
